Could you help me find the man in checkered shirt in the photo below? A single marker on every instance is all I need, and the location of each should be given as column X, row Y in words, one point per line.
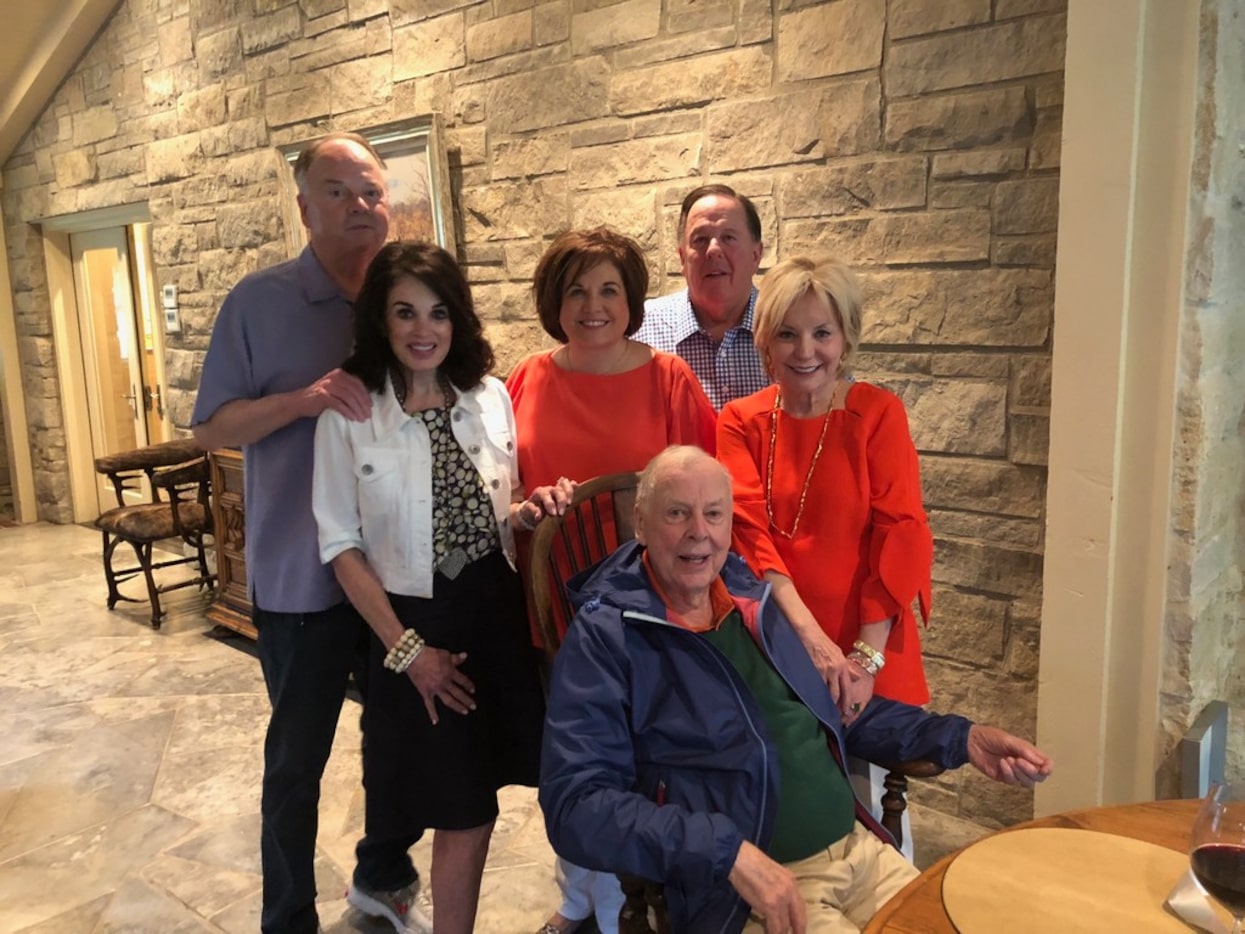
column 709, row 324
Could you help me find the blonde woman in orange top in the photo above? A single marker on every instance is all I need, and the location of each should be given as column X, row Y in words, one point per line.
column 828, row 491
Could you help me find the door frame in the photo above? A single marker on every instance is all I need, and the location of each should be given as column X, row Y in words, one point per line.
column 100, row 375
column 67, row 342
column 13, row 398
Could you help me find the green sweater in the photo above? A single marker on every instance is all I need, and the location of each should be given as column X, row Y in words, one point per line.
column 816, row 806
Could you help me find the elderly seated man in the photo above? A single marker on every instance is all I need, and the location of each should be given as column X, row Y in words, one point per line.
column 690, row 740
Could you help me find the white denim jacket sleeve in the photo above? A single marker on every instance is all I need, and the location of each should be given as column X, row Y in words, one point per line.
column 372, row 486
column 333, row 498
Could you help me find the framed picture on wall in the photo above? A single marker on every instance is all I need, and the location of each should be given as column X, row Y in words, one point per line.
column 418, row 176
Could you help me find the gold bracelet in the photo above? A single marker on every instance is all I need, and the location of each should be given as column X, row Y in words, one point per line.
column 864, row 663
column 869, row 652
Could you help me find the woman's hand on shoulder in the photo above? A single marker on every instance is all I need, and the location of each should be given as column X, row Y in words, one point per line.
column 436, row 675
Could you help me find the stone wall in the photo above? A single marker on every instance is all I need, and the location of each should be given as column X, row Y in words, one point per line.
column 918, row 140
column 1206, row 595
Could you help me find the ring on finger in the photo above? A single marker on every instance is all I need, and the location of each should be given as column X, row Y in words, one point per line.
column 856, row 707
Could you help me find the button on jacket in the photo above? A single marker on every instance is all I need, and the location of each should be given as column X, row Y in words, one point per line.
column 372, row 487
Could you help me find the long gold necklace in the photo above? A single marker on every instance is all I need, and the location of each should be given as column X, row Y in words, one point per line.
column 769, row 472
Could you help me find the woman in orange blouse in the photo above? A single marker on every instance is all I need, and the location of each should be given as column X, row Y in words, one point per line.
column 827, row 490
column 598, row 404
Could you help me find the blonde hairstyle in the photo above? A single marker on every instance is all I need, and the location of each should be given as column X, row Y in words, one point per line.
column 789, row 281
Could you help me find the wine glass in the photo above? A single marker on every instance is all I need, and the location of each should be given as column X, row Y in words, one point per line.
column 1217, row 848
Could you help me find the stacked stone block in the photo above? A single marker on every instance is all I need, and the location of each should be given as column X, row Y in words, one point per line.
column 918, row 141
column 1204, row 635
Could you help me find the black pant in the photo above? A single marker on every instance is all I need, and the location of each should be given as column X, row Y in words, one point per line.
column 306, row 659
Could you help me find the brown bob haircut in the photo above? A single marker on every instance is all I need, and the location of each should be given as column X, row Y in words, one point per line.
column 571, row 255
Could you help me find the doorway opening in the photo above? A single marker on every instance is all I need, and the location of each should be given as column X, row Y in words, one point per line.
column 109, row 339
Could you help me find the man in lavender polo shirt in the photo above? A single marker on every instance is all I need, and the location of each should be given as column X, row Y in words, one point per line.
column 271, row 369
column 709, row 324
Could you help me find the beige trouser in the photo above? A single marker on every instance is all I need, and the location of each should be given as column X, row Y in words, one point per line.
column 845, row 884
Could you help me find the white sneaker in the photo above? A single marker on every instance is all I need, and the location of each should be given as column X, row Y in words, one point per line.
column 408, row 909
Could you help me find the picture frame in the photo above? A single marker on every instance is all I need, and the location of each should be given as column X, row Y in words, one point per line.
column 420, row 202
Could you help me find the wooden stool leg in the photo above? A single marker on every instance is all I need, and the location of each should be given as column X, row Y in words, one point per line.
column 206, row 581
column 894, row 803
column 143, row 552
column 110, row 545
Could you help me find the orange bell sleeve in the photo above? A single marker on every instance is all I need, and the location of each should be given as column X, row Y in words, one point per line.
column 901, row 547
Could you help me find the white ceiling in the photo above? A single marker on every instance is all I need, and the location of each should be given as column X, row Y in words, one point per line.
column 40, row 41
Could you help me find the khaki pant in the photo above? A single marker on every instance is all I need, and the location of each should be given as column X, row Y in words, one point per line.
column 845, row 884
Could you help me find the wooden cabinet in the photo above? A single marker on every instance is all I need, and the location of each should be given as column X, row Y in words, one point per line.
column 232, row 607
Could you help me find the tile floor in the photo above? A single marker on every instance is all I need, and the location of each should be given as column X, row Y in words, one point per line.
column 130, row 765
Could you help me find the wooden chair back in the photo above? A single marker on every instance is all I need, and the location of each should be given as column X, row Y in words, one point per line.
column 601, row 517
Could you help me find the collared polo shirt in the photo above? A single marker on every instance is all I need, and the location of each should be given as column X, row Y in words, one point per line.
column 279, row 330
column 727, row 369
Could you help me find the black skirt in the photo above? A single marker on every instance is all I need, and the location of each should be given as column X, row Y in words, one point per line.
column 446, row 776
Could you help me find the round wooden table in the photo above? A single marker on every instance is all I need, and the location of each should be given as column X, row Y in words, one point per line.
column 918, row 909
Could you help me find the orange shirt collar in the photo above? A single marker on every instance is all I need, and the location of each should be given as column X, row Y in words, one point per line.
column 719, row 598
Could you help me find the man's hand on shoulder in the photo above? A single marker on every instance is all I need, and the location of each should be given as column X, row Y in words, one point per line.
column 246, row 421
column 770, row 889
column 1007, row 758
column 341, row 392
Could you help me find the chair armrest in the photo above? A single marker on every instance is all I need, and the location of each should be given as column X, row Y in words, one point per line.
column 164, row 454
column 185, row 475
column 126, row 470
column 914, row 768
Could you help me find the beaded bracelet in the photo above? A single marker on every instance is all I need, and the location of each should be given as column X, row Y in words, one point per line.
column 404, row 651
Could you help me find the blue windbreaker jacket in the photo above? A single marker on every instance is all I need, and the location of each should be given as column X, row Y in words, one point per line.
column 656, row 760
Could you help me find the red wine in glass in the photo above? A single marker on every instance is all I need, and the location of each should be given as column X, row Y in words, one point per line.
column 1217, row 848
column 1220, row 867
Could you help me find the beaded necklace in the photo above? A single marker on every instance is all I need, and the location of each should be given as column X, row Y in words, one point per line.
column 769, row 472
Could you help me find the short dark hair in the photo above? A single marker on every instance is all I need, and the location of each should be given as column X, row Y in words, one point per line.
column 302, row 165
column 573, row 253
column 470, row 356
column 751, row 216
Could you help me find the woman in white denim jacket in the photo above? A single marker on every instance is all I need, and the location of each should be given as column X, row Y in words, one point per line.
column 415, row 507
